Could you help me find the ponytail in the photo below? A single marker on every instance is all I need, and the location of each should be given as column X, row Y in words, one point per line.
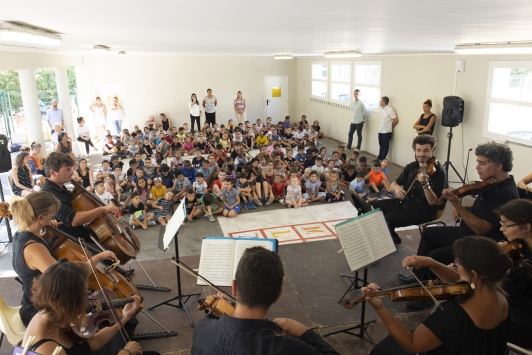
column 36, row 204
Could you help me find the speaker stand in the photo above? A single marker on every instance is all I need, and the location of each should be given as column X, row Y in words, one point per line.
column 448, row 162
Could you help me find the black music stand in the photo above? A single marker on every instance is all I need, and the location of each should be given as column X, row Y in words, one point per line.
column 171, row 233
column 363, row 326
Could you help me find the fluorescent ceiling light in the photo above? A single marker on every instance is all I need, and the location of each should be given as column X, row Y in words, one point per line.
column 283, row 56
column 345, row 54
column 122, row 53
column 16, row 33
column 500, row 48
column 101, row 49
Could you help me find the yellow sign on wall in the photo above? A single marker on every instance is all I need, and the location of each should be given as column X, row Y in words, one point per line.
column 276, row 91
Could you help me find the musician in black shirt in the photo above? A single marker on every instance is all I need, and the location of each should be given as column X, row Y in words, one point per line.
column 415, row 190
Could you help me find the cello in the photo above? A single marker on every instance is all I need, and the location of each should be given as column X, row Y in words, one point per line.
column 112, row 232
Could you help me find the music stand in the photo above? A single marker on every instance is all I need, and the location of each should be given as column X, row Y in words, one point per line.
column 172, row 229
column 363, row 326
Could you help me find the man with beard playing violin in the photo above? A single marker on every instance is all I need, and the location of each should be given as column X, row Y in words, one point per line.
column 59, row 169
column 494, row 160
column 415, row 191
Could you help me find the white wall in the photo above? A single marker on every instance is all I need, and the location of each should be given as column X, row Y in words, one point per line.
column 21, row 60
column 156, row 84
column 408, row 81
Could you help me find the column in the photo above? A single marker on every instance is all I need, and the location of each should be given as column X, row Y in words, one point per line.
column 63, row 94
column 32, row 113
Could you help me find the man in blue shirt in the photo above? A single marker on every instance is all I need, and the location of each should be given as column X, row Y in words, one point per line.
column 247, row 331
column 54, row 116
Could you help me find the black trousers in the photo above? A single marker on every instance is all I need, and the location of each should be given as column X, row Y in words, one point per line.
column 358, row 128
column 192, row 119
column 388, row 346
column 211, row 118
column 437, row 242
column 87, row 143
column 399, row 214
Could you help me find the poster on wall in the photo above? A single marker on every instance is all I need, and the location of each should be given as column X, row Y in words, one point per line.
column 108, row 92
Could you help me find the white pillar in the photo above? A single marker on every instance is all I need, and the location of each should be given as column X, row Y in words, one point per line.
column 63, row 94
column 32, row 113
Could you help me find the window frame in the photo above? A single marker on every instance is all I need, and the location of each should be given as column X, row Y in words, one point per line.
column 350, row 82
column 489, row 100
column 361, row 86
column 326, row 81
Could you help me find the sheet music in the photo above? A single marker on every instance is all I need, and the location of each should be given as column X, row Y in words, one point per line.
column 242, row 245
column 378, row 235
column 356, row 248
column 216, row 263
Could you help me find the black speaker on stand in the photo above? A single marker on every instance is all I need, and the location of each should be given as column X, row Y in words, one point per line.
column 452, row 115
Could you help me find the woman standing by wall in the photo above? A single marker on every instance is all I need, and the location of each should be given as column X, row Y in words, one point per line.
column 100, row 117
column 195, row 111
column 425, row 123
column 240, row 107
column 210, row 102
column 117, row 112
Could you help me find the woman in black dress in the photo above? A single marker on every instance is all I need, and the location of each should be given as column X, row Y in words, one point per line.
column 65, row 145
column 165, row 122
column 425, row 123
column 477, row 324
column 23, row 183
column 85, row 173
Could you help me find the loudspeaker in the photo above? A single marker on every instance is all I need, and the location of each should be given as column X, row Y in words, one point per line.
column 5, row 155
column 453, row 111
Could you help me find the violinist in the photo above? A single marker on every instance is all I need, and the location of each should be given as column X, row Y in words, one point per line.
column 415, row 190
column 516, row 224
column 257, row 285
column 32, row 255
column 60, row 294
column 476, row 325
column 494, row 160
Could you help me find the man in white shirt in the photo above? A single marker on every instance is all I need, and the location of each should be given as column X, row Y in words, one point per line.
column 54, row 115
column 360, row 113
column 388, row 121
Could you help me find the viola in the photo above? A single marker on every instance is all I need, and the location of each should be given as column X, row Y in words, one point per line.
column 515, row 249
column 216, row 306
column 429, row 167
column 112, row 232
column 473, row 188
column 110, row 278
column 98, row 314
column 416, row 293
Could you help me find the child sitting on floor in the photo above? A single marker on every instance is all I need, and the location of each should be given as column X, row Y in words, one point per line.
column 137, row 213
column 357, row 187
column 210, row 205
column 230, row 199
column 313, row 185
column 191, row 205
column 334, row 192
column 164, row 208
column 244, row 189
column 294, row 197
column 278, row 188
column 199, row 186
column 377, row 180
column 99, row 190
column 158, row 190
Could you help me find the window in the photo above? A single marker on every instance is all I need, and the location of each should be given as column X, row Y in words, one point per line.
column 320, row 75
column 508, row 114
column 341, row 81
column 368, row 81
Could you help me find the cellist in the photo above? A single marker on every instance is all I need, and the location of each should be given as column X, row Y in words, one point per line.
column 32, row 255
column 478, row 325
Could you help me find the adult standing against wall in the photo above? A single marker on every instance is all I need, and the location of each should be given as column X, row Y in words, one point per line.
column 210, row 102
column 359, row 115
column 195, row 111
column 54, row 116
column 425, row 123
column 240, row 107
column 388, row 121
column 117, row 115
column 100, row 116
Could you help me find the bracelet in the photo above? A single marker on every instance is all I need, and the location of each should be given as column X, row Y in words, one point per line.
column 127, row 351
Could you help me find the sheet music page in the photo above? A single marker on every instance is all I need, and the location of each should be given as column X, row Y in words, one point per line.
column 242, row 245
column 377, row 233
column 216, row 262
column 356, row 248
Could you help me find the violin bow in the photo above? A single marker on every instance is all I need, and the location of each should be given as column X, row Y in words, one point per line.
column 425, row 289
column 121, row 328
column 186, row 268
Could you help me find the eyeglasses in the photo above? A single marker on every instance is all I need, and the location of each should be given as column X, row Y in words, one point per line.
column 506, row 226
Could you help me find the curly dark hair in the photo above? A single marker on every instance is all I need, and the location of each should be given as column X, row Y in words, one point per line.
column 497, row 153
column 423, row 139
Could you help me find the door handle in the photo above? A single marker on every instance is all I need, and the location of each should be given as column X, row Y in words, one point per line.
column 267, row 102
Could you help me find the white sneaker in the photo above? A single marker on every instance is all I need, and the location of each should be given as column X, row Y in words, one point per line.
column 151, row 223
column 281, row 201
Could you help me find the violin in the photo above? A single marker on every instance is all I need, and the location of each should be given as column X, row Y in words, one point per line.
column 65, row 247
column 112, row 232
column 473, row 188
column 98, row 314
column 514, row 249
column 216, row 306
column 4, row 210
column 428, row 168
column 416, row 293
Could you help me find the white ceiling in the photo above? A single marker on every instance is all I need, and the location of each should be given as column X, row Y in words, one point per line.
column 253, row 27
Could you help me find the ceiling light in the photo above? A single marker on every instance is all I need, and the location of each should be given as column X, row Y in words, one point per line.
column 16, row 33
column 101, row 49
column 283, row 56
column 495, row 48
column 344, row 54
column 122, row 53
